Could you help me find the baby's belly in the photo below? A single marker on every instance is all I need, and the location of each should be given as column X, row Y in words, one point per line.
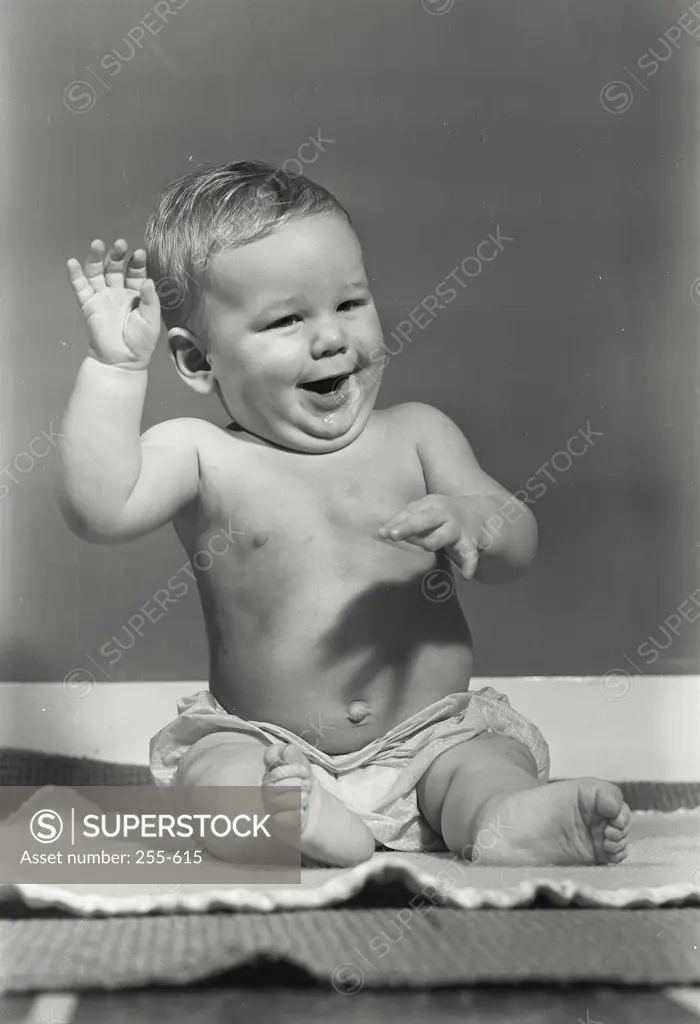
column 338, row 661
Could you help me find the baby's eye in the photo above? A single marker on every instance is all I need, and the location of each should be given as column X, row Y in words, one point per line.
column 284, row 321
column 345, row 307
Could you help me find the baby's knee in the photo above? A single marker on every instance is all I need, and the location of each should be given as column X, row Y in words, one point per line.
column 222, row 759
column 505, row 749
column 211, row 766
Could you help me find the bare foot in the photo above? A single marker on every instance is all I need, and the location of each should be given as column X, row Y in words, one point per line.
column 330, row 832
column 584, row 821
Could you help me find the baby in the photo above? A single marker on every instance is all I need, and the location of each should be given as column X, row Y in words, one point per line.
column 339, row 656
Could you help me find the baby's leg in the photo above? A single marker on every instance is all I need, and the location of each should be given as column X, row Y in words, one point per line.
column 329, row 832
column 223, row 759
column 484, row 798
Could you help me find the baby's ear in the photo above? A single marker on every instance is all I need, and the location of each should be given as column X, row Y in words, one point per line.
column 191, row 362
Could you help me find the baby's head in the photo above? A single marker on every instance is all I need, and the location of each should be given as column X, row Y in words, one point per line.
column 265, row 295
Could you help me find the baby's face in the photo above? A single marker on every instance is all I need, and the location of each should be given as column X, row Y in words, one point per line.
column 290, row 327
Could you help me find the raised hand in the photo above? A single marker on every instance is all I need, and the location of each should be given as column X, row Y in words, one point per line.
column 120, row 306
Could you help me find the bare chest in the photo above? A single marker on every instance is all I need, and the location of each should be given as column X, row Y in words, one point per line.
column 293, row 511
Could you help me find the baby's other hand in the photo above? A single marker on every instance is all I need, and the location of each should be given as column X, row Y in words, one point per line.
column 437, row 522
column 120, row 306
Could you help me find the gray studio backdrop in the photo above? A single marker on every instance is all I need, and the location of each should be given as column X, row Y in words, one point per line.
column 565, row 130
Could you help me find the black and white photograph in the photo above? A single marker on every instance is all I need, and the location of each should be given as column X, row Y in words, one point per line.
column 350, row 512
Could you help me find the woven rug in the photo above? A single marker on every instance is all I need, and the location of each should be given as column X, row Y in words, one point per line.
column 350, row 950
column 382, row 926
column 662, row 869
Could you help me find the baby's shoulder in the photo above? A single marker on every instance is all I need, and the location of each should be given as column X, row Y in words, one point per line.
column 184, row 432
column 414, row 419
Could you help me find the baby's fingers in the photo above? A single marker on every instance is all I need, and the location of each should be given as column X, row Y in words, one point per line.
column 407, row 524
column 433, row 540
column 80, row 284
column 467, row 554
column 114, row 264
column 136, row 270
column 437, row 539
column 149, row 304
column 94, row 265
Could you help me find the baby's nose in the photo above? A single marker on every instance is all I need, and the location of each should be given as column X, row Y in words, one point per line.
column 329, row 339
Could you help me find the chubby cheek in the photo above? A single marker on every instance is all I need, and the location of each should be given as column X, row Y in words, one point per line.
column 262, row 381
column 372, row 338
column 253, row 393
column 253, row 373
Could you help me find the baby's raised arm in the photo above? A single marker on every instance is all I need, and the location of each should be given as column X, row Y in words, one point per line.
column 117, row 485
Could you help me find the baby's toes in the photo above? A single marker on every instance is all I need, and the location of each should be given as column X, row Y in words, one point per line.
column 291, row 774
column 621, row 821
column 614, row 835
column 607, row 799
column 614, row 844
column 283, row 753
column 285, row 763
column 274, row 755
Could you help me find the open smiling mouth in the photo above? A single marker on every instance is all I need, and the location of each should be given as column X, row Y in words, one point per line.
column 327, row 385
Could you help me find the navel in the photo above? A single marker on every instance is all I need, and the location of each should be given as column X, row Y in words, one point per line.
column 358, row 711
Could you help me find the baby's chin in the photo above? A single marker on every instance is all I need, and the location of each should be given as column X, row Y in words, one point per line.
column 328, row 433
column 312, row 435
